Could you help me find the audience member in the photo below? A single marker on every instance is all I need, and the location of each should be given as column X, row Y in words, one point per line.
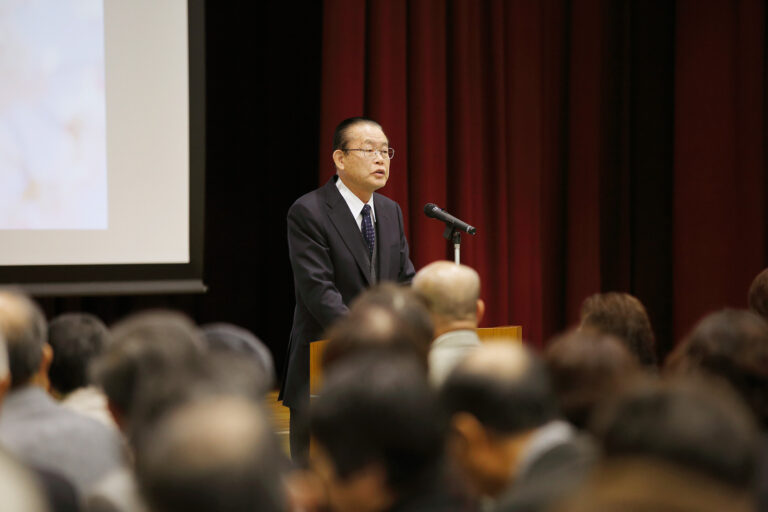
column 209, row 456
column 146, row 349
column 144, row 345
column 77, row 339
column 33, row 426
column 410, row 307
column 59, row 492
column 649, row 485
column 684, row 446
column 452, row 293
column 758, row 294
column 216, row 374
column 731, row 345
column 586, row 366
column 229, row 338
column 623, row 316
column 384, row 317
column 507, row 438
column 693, row 423
column 379, row 437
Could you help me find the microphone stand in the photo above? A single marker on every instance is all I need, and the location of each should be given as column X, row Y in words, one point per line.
column 451, row 233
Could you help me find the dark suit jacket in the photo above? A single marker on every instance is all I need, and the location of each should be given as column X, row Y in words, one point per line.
column 554, row 475
column 331, row 267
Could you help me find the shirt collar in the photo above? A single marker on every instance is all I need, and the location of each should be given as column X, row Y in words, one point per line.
column 353, row 202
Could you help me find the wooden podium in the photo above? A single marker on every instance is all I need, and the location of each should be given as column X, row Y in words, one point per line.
column 316, row 348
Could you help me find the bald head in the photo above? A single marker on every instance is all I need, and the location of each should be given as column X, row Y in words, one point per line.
column 451, row 291
column 212, row 455
column 23, row 326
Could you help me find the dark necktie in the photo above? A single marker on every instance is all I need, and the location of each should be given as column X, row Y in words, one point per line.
column 367, row 227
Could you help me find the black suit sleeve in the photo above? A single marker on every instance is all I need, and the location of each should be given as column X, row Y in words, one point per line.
column 312, row 266
column 406, row 266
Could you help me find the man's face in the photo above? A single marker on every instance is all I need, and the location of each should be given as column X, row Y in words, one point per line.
column 363, row 172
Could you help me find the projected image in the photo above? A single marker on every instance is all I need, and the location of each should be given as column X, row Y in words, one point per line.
column 53, row 170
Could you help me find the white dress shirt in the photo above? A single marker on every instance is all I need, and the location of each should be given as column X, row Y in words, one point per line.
column 355, row 204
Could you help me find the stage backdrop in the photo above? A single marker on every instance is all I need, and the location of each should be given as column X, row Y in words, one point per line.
column 597, row 145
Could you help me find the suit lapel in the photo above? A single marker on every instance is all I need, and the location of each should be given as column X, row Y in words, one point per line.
column 344, row 223
column 388, row 236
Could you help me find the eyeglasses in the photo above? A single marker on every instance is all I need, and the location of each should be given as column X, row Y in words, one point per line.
column 370, row 154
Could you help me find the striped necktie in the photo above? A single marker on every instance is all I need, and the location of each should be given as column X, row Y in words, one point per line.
column 367, row 228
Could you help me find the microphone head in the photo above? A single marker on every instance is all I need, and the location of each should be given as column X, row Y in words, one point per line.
column 429, row 208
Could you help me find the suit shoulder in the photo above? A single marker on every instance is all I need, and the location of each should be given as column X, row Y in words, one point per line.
column 310, row 201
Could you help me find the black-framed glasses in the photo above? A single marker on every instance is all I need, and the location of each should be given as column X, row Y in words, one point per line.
column 387, row 154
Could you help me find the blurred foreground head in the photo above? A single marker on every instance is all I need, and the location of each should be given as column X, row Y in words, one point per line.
column 731, row 345
column 497, row 396
column 237, row 341
column 23, row 326
column 388, row 317
column 378, row 432
column 144, row 346
column 678, row 446
column 695, row 424
column 212, row 455
column 585, row 367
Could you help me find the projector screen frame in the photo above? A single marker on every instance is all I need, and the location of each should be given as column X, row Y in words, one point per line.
column 140, row 279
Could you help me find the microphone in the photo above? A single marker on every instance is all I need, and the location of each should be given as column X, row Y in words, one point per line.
column 432, row 210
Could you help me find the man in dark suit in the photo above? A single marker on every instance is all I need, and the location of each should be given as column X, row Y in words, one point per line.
column 342, row 238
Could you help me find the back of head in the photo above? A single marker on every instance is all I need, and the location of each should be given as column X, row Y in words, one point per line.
column 585, row 366
column 407, row 305
column 758, row 294
column 386, row 317
column 695, row 424
column 504, row 386
column 623, row 316
column 23, row 326
column 451, row 291
column 218, row 374
column 732, row 345
column 76, row 339
column 643, row 484
column 378, row 409
column 144, row 345
column 235, row 340
column 212, row 455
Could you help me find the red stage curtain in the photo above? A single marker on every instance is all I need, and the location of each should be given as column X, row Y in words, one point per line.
column 719, row 213
column 598, row 145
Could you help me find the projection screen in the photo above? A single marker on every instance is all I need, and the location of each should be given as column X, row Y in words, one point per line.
column 102, row 145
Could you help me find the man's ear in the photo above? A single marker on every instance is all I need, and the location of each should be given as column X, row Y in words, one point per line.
column 469, row 430
column 480, row 310
column 47, row 359
column 338, row 159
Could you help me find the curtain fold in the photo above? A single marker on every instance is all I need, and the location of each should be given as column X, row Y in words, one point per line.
column 597, row 145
